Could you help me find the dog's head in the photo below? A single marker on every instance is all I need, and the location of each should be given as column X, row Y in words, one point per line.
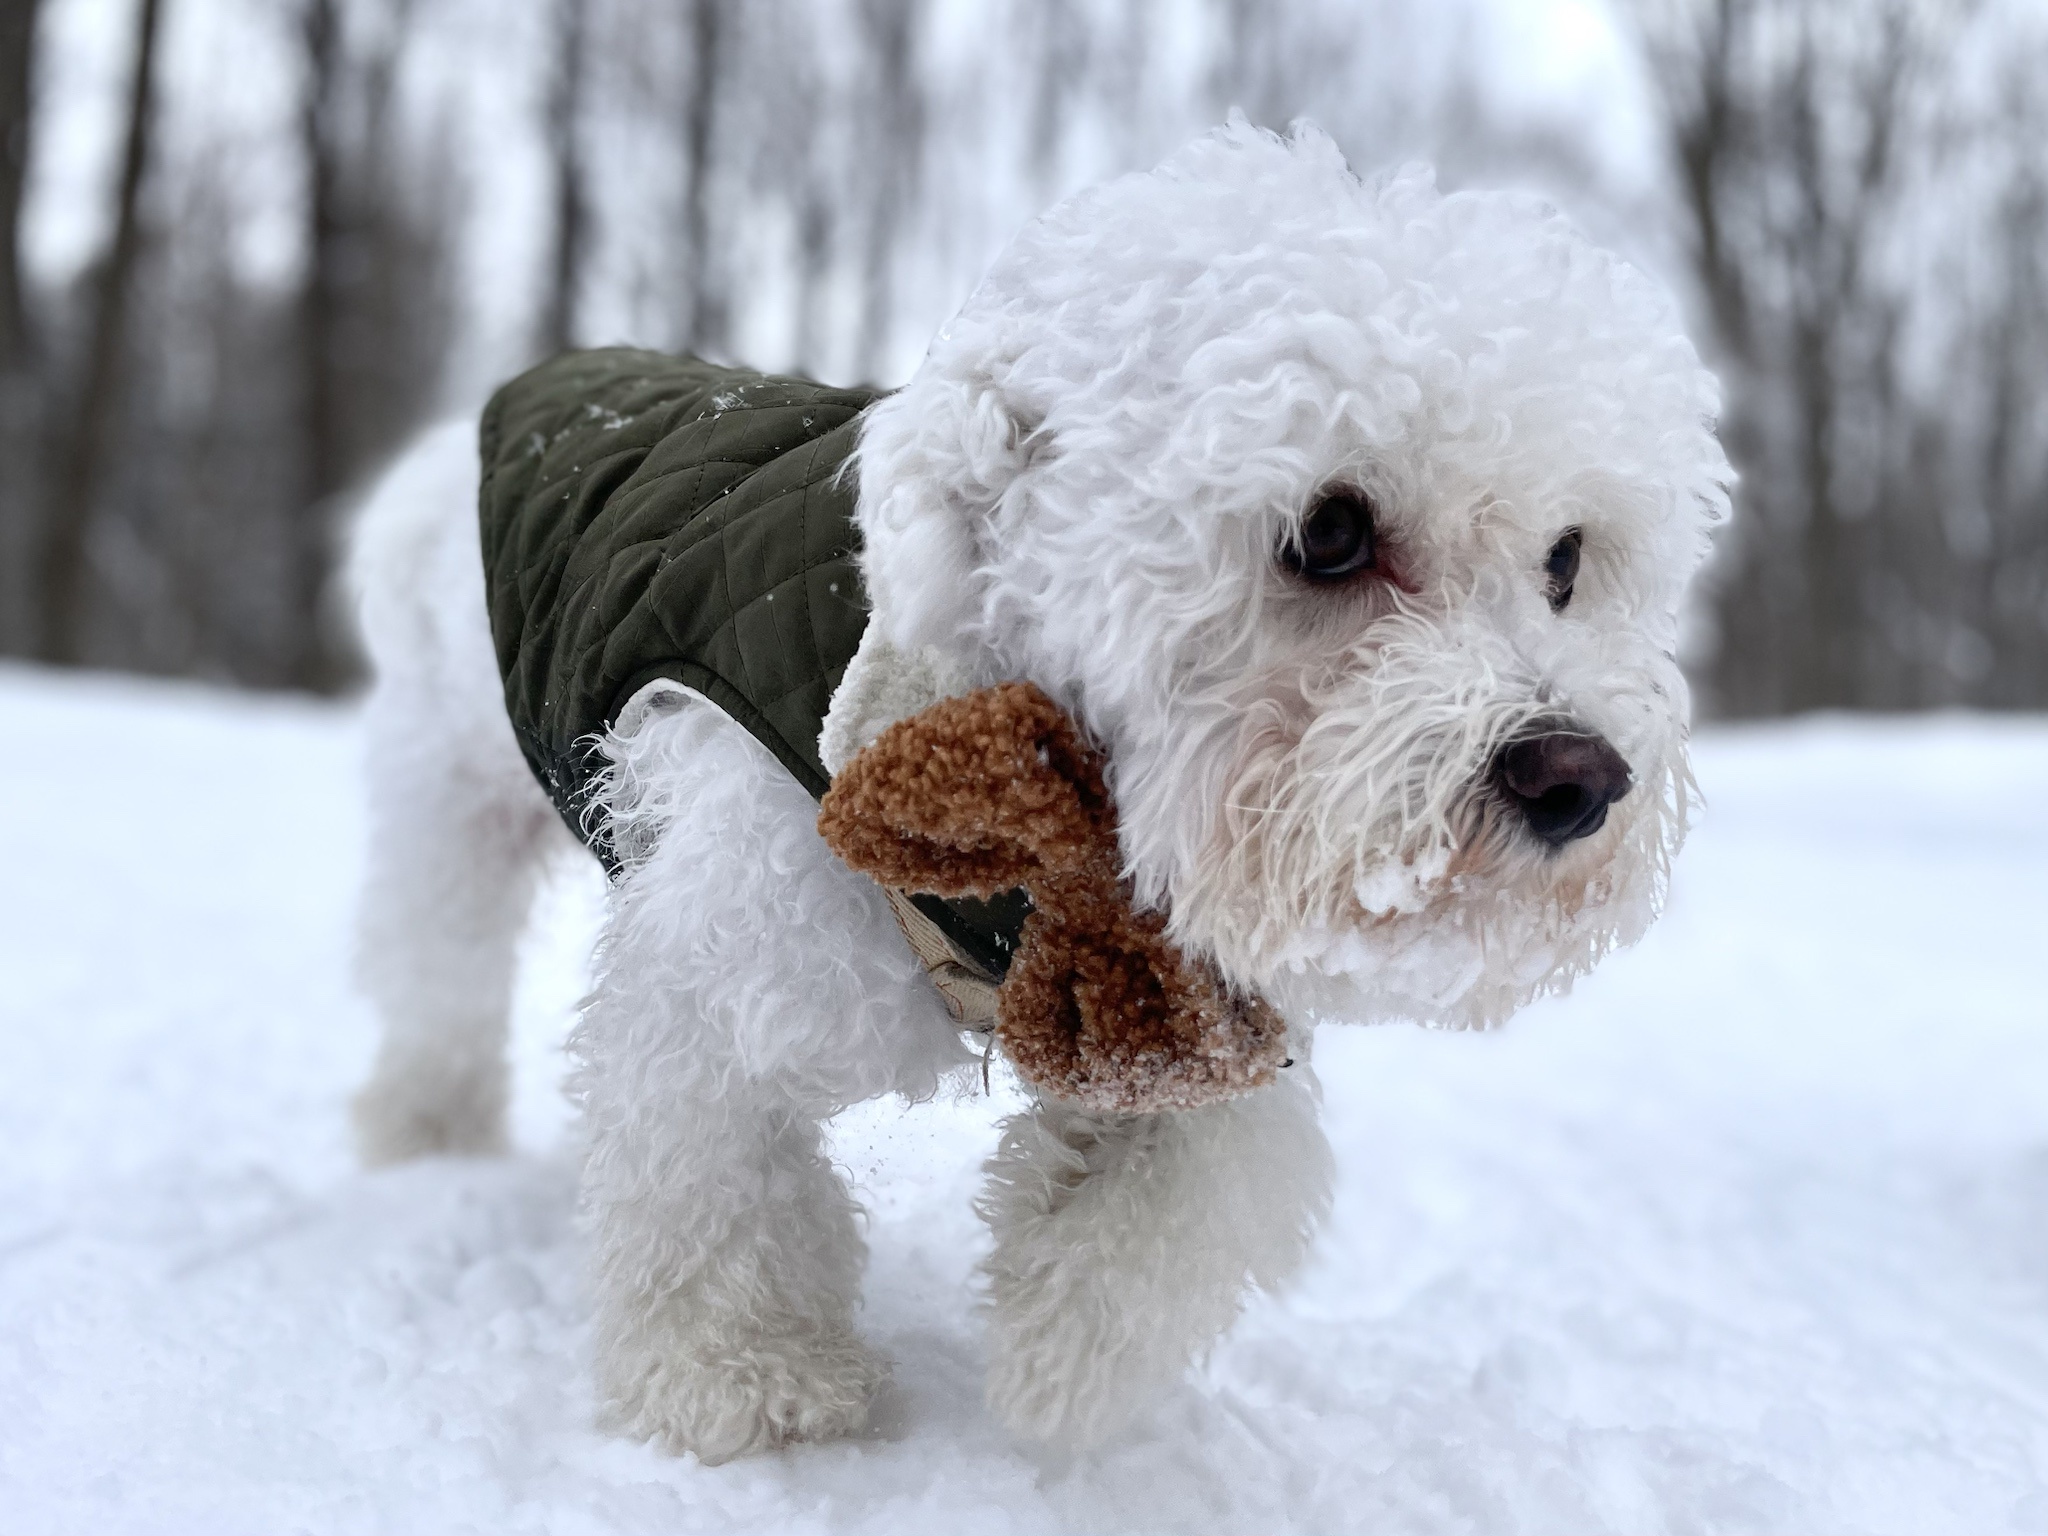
column 1352, row 521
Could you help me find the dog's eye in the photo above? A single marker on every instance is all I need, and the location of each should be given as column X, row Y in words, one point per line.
column 1562, row 567
column 1337, row 539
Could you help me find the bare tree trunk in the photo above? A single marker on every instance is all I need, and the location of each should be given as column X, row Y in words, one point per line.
column 805, row 146
column 2010, row 593
column 1061, row 70
column 322, row 454
column 17, row 55
column 1704, row 141
column 1790, row 122
column 100, row 387
column 371, row 312
column 707, row 315
column 572, row 202
column 21, row 424
column 898, row 114
column 814, row 258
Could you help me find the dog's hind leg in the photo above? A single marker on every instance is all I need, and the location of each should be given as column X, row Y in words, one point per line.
column 749, row 986
column 1125, row 1245
column 453, row 859
column 458, row 825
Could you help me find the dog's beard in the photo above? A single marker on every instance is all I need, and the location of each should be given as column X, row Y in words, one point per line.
column 1364, row 865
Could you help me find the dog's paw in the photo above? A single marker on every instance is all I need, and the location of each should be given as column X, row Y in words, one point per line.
column 1069, row 1364
column 398, row 1118
column 721, row 1398
column 1082, row 1311
column 1124, row 1247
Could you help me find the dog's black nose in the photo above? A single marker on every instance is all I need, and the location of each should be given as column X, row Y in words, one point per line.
column 1562, row 781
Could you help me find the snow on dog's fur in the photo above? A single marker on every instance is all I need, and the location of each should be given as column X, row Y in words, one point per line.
column 1089, row 484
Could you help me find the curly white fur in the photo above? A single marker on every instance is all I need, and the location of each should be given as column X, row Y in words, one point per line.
column 1086, row 481
column 726, row 1245
column 1176, row 1214
column 458, row 827
column 1085, row 485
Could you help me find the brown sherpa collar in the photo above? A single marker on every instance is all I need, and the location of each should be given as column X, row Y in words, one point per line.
column 995, row 790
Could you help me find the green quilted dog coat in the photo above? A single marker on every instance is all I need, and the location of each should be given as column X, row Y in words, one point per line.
column 647, row 516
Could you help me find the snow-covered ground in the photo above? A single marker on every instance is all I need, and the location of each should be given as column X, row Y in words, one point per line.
column 1749, row 1235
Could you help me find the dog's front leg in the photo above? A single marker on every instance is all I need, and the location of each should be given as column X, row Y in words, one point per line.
column 1124, row 1245
column 728, row 1265
column 749, row 986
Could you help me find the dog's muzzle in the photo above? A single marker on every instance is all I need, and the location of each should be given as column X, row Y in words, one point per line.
column 1562, row 779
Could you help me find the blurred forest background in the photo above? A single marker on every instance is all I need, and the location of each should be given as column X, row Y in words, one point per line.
column 247, row 246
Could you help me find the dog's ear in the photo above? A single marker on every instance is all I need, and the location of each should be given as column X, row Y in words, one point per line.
column 975, row 795
column 936, row 460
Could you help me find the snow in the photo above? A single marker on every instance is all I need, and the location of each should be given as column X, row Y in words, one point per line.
column 1750, row 1234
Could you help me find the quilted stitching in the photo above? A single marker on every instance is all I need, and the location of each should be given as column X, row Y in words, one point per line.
column 650, row 516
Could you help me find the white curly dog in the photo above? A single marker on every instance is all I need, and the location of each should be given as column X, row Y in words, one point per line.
column 1349, row 519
